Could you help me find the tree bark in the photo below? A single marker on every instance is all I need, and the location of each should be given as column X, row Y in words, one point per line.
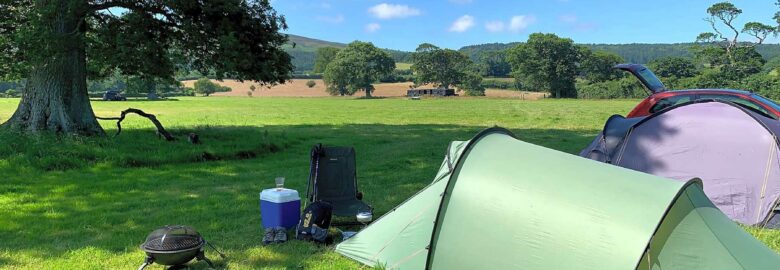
column 55, row 97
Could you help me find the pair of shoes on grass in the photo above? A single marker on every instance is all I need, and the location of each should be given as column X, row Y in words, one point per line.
column 275, row 235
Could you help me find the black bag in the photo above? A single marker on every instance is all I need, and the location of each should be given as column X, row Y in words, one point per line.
column 314, row 223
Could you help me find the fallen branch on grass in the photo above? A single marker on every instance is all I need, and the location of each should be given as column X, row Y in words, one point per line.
column 160, row 129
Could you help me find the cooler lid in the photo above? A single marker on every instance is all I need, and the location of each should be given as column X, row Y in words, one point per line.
column 279, row 195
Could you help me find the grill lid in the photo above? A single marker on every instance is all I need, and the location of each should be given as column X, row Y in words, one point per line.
column 172, row 238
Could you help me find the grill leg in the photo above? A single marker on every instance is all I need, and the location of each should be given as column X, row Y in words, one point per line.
column 148, row 261
column 202, row 257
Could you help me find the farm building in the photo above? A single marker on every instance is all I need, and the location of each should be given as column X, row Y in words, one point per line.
column 443, row 92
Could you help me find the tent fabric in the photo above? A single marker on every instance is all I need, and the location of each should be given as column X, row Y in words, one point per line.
column 614, row 130
column 402, row 235
column 732, row 149
column 680, row 240
column 507, row 204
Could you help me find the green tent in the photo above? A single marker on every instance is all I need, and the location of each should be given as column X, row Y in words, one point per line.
column 500, row 203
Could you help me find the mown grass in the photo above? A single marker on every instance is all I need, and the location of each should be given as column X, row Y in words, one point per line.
column 403, row 66
column 500, row 79
column 94, row 211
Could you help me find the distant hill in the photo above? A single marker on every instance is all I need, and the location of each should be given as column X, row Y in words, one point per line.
column 310, row 44
column 635, row 53
column 305, row 50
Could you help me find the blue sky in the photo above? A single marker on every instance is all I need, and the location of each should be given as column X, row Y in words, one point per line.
column 403, row 24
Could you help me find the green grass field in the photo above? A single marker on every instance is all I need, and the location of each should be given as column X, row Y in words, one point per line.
column 403, row 66
column 75, row 203
column 500, row 79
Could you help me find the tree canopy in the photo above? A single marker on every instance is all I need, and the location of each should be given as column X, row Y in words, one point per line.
column 207, row 87
column 325, row 55
column 723, row 49
column 547, row 62
column 599, row 66
column 356, row 68
column 445, row 68
column 493, row 64
column 678, row 67
column 56, row 44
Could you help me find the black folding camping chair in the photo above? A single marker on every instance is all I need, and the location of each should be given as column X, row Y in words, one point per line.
column 333, row 179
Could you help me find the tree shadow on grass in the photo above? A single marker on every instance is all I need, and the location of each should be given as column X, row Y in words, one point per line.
column 138, row 148
column 102, row 212
column 131, row 99
column 370, row 98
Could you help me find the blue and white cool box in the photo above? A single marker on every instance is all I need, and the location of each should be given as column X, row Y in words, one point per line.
column 280, row 207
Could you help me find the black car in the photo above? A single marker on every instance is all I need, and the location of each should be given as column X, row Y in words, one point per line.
column 113, row 96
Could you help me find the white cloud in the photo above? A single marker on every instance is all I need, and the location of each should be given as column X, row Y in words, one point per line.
column 392, row 11
column 585, row 27
column 494, row 26
column 516, row 24
column 520, row 22
column 462, row 24
column 568, row 18
column 331, row 19
column 576, row 24
column 372, row 27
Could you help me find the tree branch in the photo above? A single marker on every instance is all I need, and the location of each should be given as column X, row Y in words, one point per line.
column 720, row 35
column 103, row 5
column 733, row 42
column 160, row 129
column 157, row 8
column 758, row 30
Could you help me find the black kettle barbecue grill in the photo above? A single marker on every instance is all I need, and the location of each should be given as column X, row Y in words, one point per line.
column 174, row 246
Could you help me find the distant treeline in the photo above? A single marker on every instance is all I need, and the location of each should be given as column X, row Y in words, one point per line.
column 634, row 53
column 304, row 60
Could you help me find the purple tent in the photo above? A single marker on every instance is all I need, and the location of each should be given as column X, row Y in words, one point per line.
column 732, row 148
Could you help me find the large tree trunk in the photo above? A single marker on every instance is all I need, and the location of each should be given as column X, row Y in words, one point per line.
column 55, row 97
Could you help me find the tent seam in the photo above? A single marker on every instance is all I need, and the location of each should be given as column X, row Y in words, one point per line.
column 447, row 157
column 448, row 173
column 414, row 220
column 458, row 165
column 399, row 205
column 404, row 259
column 767, row 170
column 669, row 205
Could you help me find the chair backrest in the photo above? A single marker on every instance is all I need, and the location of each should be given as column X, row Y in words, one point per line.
column 336, row 175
